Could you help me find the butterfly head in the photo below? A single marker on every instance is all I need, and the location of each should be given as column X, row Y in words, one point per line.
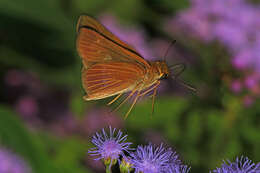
column 162, row 69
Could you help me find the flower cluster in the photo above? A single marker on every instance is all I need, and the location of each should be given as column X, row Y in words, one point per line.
column 112, row 149
column 11, row 163
column 233, row 23
column 34, row 101
column 152, row 159
column 250, row 83
column 241, row 165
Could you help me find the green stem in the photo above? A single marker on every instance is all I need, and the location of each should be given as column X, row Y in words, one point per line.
column 108, row 170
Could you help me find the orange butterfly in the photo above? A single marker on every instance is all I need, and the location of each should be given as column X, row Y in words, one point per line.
column 112, row 67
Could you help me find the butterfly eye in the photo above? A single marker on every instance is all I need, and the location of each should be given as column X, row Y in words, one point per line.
column 164, row 76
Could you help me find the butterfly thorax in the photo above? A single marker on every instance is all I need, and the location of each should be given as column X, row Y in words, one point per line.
column 160, row 70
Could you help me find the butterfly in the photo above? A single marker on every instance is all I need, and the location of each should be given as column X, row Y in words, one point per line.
column 111, row 67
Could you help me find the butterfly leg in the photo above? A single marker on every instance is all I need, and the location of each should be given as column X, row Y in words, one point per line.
column 134, row 102
column 154, row 94
column 154, row 88
column 150, row 89
column 129, row 96
column 112, row 101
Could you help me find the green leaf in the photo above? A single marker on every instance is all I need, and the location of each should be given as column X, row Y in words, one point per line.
column 167, row 111
column 15, row 136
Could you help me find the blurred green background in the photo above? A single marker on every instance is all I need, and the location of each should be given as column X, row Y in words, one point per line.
column 44, row 119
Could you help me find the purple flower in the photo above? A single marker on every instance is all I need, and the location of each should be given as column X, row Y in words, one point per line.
column 242, row 165
column 233, row 37
column 236, row 86
column 234, row 23
column 27, row 106
column 248, row 100
column 243, row 59
column 15, row 78
column 109, row 146
column 192, row 23
column 152, row 159
column 11, row 163
column 251, row 81
column 179, row 169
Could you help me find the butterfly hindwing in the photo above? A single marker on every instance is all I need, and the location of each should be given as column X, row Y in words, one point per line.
column 108, row 79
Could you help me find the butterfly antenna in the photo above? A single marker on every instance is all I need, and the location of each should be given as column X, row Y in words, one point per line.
column 167, row 51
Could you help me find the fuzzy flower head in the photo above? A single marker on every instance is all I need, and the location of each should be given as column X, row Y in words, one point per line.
column 242, row 165
column 151, row 159
column 179, row 169
column 109, row 146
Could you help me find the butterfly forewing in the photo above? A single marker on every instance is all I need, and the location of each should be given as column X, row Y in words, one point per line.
column 96, row 44
column 89, row 22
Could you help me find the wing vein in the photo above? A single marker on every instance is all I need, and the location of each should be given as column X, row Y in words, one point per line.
column 102, row 88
